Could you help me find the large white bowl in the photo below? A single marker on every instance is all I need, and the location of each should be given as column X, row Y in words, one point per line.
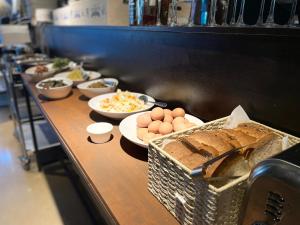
column 36, row 77
column 92, row 92
column 128, row 128
column 57, row 92
column 94, row 104
column 92, row 76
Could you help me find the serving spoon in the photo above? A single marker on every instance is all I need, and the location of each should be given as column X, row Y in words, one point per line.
column 145, row 99
column 84, row 73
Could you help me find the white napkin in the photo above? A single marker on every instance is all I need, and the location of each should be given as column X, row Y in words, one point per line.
column 237, row 116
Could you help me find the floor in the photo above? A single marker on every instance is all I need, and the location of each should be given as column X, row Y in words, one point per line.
column 34, row 198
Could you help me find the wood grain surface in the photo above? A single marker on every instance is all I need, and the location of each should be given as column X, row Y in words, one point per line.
column 116, row 171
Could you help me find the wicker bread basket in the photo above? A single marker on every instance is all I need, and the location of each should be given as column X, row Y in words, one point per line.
column 191, row 199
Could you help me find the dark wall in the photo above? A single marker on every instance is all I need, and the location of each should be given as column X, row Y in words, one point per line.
column 208, row 71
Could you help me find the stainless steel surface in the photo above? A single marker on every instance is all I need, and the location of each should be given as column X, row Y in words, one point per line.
column 273, row 195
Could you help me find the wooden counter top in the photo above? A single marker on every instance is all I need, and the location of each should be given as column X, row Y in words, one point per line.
column 116, row 172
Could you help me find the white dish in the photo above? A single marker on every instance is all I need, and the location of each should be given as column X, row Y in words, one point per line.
column 100, row 132
column 92, row 76
column 57, row 92
column 50, row 65
column 94, row 104
column 36, row 77
column 128, row 127
column 92, row 92
column 31, row 70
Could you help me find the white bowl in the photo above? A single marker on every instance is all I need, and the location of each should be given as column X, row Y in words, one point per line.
column 100, row 132
column 92, row 76
column 94, row 104
column 57, row 92
column 92, row 92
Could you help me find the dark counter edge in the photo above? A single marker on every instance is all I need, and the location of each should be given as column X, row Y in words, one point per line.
column 221, row 30
column 98, row 200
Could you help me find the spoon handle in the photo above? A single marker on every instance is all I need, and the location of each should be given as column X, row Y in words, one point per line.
column 160, row 104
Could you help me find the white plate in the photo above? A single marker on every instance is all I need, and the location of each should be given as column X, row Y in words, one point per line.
column 36, row 77
column 128, row 127
column 92, row 92
column 92, row 74
column 31, row 70
column 94, row 104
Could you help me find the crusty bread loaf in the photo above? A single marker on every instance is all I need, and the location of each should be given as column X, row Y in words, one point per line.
column 188, row 157
column 200, row 147
column 177, row 150
column 256, row 139
column 258, row 144
column 242, row 138
column 194, row 160
column 253, row 130
column 227, row 138
column 206, row 138
column 239, row 164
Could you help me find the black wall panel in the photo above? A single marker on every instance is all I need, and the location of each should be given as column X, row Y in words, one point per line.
column 208, row 71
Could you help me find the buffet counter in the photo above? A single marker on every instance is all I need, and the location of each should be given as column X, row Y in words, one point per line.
column 115, row 172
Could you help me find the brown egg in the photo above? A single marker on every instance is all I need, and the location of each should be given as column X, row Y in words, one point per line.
column 167, row 112
column 179, row 126
column 157, row 113
column 178, row 120
column 148, row 137
column 168, row 118
column 154, row 126
column 141, row 132
column 165, row 128
column 143, row 120
column 178, row 112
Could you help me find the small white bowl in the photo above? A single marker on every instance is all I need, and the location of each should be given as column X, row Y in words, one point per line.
column 100, row 132
column 92, row 92
column 57, row 92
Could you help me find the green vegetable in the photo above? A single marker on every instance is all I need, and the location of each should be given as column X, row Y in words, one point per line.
column 52, row 84
column 59, row 63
